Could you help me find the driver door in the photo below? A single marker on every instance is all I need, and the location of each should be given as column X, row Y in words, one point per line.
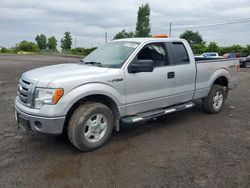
column 146, row 91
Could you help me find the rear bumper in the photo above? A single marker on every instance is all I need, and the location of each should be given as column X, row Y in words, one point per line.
column 40, row 124
column 233, row 85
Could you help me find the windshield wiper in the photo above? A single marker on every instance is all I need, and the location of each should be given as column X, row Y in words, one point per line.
column 92, row 63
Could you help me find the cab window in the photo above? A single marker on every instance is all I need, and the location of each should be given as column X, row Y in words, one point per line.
column 156, row 52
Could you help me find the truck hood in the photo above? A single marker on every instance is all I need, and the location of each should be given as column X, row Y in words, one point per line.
column 45, row 75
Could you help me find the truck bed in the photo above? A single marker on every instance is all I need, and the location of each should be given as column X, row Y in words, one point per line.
column 208, row 71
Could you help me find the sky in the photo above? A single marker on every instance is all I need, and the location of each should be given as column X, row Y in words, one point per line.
column 88, row 21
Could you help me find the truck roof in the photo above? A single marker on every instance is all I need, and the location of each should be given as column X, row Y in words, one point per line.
column 151, row 39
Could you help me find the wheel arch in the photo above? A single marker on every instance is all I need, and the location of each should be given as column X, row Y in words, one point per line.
column 100, row 98
column 220, row 77
column 222, row 81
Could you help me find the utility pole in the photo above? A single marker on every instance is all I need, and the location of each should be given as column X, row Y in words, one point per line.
column 106, row 37
column 75, row 42
column 170, row 29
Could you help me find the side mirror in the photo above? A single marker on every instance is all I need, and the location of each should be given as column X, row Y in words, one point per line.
column 146, row 65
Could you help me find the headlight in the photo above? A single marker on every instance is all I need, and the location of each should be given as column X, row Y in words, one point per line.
column 46, row 96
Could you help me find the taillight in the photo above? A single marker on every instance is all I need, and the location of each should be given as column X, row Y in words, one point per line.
column 238, row 68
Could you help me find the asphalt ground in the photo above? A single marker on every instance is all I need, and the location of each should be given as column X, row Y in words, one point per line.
column 184, row 149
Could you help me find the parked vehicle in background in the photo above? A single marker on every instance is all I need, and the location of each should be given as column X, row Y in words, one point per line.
column 210, row 54
column 242, row 58
column 124, row 81
column 207, row 56
column 245, row 62
column 234, row 55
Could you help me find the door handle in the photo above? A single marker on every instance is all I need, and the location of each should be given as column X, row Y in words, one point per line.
column 171, row 75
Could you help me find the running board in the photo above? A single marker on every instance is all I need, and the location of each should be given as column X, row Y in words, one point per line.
column 155, row 113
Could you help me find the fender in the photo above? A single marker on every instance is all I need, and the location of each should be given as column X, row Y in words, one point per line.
column 204, row 87
column 219, row 73
column 92, row 89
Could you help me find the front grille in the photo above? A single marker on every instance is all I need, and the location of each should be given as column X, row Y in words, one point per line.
column 24, row 92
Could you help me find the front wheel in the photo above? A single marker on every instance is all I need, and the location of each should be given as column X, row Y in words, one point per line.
column 213, row 103
column 90, row 126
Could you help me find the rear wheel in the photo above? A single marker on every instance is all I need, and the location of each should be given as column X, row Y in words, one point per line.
column 90, row 126
column 213, row 103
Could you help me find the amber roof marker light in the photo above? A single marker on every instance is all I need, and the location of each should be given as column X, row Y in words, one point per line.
column 160, row 36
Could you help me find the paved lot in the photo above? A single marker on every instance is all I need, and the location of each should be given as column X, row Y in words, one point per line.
column 185, row 149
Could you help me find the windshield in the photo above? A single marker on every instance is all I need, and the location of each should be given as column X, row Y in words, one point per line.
column 112, row 54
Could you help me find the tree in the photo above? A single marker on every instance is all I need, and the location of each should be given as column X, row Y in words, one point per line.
column 143, row 27
column 52, row 43
column 82, row 51
column 224, row 50
column 41, row 41
column 199, row 48
column 3, row 50
column 236, row 48
column 247, row 49
column 89, row 50
column 213, row 47
column 66, row 41
column 192, row 37
column 27, row 46
column 124, row 34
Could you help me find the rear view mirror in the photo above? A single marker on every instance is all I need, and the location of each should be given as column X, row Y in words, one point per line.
column 146, row 65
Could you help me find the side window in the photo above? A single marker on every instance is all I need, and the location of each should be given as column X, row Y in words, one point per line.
column 179, row 53
column 156, row 52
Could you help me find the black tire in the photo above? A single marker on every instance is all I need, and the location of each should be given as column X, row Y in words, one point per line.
column 247, row 65
column 208, row 102
column 77, row 125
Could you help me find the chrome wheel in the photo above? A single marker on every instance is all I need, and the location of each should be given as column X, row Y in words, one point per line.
column 95, row 128
column 217, row 100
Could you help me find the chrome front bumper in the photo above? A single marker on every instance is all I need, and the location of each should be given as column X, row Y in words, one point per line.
column 40, row 124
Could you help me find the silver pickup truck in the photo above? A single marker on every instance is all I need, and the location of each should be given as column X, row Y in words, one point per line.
column 124, row 81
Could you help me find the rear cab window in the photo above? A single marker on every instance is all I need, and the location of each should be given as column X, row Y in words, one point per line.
column 180, row 55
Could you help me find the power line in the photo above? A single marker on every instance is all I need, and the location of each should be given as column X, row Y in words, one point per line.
column 214, row 24
column 211, row 22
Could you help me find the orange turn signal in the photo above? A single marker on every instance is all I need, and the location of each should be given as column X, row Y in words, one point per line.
column 58, row 93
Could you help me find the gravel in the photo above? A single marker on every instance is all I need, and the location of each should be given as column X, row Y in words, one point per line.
column 184, row 149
